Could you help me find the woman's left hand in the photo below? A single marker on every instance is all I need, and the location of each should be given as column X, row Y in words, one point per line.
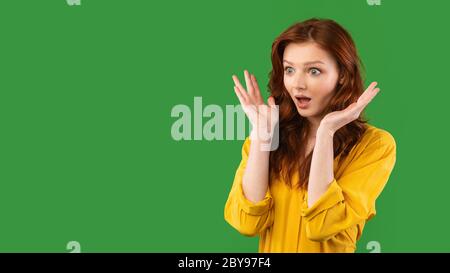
column 335, row 120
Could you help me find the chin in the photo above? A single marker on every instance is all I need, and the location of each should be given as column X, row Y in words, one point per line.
column 304, row 112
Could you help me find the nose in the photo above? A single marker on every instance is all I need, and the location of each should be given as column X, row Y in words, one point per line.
column 299, row 81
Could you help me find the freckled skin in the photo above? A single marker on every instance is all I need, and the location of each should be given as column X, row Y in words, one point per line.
column 314, row 80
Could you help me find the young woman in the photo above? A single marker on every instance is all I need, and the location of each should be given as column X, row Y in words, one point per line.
column 317, row 189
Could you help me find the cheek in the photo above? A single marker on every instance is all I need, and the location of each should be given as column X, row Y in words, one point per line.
column 324, row 86
column 287, row 84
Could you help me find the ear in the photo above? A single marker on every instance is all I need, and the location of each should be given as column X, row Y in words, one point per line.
column 341, row 80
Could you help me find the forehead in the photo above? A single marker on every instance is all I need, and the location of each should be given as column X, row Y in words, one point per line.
column 300, row 53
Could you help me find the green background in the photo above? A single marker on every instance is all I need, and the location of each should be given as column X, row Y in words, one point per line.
column 86, row 94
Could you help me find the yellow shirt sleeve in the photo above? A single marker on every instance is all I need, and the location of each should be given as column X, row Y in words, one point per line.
column 245, row 216
column 350, row 198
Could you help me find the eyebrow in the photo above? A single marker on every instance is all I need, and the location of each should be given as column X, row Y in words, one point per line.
column 305, row 64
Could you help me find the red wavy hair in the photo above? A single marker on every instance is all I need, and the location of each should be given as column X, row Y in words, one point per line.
column 290, row 156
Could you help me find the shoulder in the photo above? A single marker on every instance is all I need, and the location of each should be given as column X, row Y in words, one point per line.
column 377, row 147
column 377, row 137
column 375, row 143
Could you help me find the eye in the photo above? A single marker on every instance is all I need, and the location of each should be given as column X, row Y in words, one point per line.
column 288, row 69
column 315, row 71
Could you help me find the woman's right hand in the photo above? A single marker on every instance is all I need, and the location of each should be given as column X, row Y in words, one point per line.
column 263, row 117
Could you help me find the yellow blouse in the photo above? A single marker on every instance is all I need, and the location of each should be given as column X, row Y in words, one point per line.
column 335, row 222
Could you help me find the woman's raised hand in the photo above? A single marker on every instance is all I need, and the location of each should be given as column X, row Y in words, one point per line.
column 336, row 120
column 263, row 117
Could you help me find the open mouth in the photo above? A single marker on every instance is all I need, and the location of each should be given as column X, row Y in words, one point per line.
column 303, row 101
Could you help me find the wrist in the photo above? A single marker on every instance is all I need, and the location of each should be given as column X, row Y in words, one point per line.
column 324, row 131
column 260, row 136
column 261, row 143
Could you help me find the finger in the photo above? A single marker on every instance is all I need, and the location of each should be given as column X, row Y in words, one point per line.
column 374, row 93
column 363, row 103
column 249, row 84
column 372, row 86
column 368, row 94
column 258, row 96
column 271, row 101
column 241, row 89
column 239, row 95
